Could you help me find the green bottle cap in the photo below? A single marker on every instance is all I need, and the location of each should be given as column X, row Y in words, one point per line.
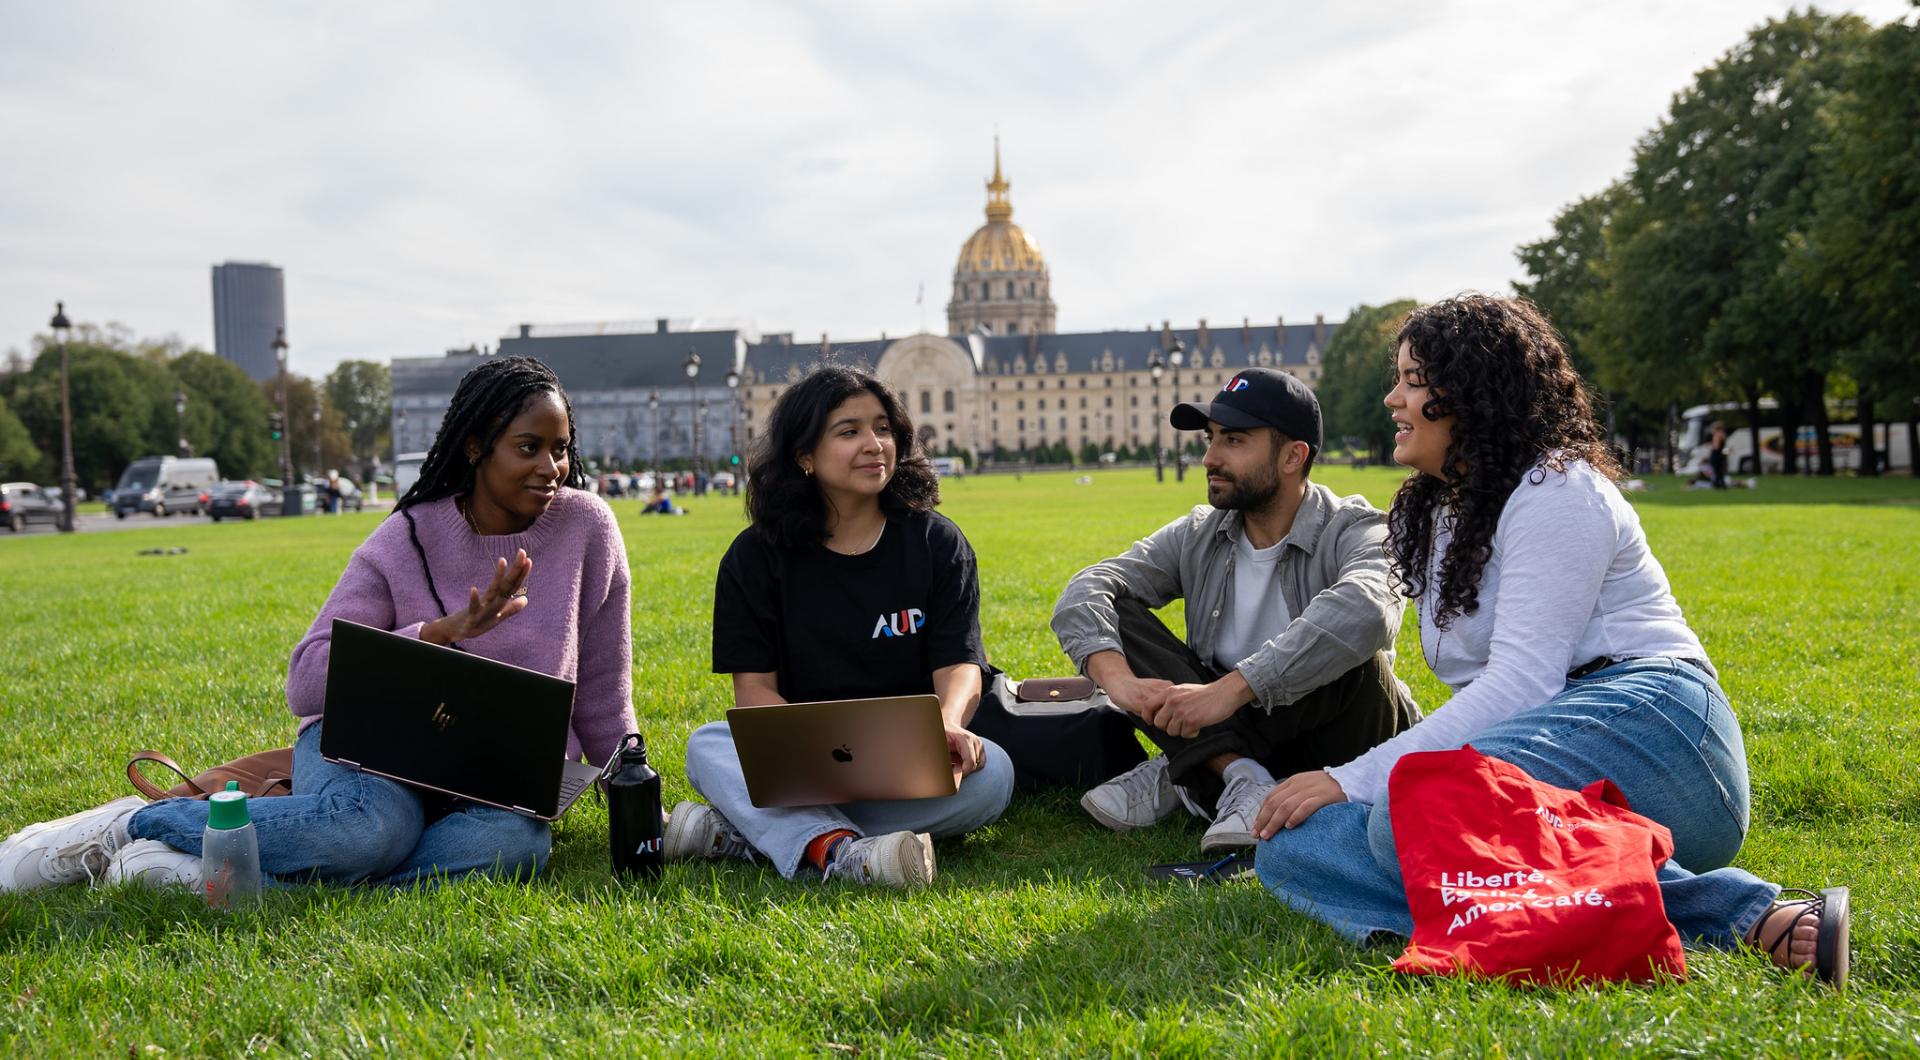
column 227, row 809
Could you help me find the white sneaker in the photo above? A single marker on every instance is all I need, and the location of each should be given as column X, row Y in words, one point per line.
column 1234, row 813
column 901, row 859
column 1139, row 797
column 696, row 830
column 155, row 864
column 68, row 850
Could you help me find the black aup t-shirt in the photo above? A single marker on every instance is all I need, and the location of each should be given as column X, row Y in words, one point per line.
column 850, row 627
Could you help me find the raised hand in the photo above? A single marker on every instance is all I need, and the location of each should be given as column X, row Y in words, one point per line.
column 504, row 597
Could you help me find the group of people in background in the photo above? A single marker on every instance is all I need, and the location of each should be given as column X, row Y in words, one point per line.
column 1278, row 712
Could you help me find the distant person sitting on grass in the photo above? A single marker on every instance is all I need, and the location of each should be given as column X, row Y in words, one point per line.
column 843, row 531
column 501, row 484
column 1542, row 607
column 661, row 504
column 1288, row 660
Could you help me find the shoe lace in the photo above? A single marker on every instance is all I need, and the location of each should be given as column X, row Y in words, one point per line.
column 1242, row 795
column 88, row 855
column 728, row 841
column 1145, row 780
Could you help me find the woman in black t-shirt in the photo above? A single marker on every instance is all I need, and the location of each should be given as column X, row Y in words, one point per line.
column 847, row 586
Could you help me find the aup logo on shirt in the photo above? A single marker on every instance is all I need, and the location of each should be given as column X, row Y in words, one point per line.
column 1235, row 385
column 899, row 623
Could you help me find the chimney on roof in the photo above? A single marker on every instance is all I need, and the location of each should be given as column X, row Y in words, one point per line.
column 660, row 326
column 1279, row 334
column 826, row 347
column 1320, row 330
column 1166, row 334
column 1200, row 338
column 526, row 330
column 1033, row 344
column 786, row 340
column 1246, row 331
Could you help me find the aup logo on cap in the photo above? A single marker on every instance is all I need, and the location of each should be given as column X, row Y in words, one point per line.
column 1235, row 385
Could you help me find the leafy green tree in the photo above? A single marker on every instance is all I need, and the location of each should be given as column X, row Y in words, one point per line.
column 19, row 457
column 118, row 401
column 362, row 391
column 1355, row 374
column 226, row 416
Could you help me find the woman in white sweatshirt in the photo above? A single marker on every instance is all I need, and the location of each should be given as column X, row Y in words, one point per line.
column 1542, row 608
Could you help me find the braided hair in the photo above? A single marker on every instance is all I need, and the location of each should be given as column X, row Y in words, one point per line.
column 1497, row 366
column 487, row 399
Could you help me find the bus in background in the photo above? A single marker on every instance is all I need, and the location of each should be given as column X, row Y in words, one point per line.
column 1696, row 440
column 406, row 471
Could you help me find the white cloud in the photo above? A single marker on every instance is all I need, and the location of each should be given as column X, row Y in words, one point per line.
column 428, row 175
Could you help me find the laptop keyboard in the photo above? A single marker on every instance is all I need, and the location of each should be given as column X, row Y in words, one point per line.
column 572, row 786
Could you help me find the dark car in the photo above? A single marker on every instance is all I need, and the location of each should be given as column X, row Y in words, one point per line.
column 23, row 503
column 241, row 500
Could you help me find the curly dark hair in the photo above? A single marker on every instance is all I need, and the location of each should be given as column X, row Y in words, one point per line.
column 784, row 503
column 487, row 399
column 1497, row 366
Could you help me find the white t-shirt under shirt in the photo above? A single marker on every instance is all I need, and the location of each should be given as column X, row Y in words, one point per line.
column 1256, row 612
column 1570, row 580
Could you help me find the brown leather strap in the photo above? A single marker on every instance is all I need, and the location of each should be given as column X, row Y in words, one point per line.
column 147, row 788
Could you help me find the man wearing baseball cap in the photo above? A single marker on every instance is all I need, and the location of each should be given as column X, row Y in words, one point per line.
column 1288, row 661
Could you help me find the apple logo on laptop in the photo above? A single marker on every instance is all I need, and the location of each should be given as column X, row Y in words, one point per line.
column 842, row 754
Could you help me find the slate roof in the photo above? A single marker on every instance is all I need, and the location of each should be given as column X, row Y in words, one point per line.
column 1085, row 351
column 590, row 362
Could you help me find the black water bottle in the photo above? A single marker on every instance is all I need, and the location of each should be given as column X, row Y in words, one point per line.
column 633, row 813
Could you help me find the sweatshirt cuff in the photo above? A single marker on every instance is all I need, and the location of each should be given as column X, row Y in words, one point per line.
column 1348, row 777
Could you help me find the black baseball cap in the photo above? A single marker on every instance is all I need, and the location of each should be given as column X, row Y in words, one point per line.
column 1256, row 397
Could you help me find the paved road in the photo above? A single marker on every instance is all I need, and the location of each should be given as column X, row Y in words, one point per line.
column 93, row 523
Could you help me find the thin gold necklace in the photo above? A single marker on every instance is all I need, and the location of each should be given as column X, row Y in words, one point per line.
column 875, row 543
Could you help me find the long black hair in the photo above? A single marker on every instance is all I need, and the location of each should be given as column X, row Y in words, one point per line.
column 785, row 504
column 1497, row 366
column 487, row 399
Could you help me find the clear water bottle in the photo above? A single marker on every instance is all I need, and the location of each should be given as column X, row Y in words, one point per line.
column 634, row 829
column 230, row 851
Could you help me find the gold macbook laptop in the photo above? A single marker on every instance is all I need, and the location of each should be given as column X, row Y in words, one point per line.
column 846, row 750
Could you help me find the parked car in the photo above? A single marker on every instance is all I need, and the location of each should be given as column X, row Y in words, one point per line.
column 164, row 484
column 23, row 503
column 242, row 500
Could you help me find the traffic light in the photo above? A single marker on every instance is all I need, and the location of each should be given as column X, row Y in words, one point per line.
column 273, row 426
column 734, row 460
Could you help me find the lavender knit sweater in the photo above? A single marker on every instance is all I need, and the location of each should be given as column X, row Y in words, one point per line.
column 575, row 625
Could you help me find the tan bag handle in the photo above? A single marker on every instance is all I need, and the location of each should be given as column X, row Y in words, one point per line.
column 148, row 789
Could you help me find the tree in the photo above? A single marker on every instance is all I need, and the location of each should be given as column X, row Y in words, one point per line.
column 1704, row 285
column 362, row 391
column 122, row 405
column 19, row 457
column 1355, row 374
column 1865, row 232
column 226, row 415
column 303, row 394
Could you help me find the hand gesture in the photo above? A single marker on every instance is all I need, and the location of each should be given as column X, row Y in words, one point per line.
column 1139, row 695
column 1187, row 709
column 504, row 597
column 966, row 751
column 1295, row 799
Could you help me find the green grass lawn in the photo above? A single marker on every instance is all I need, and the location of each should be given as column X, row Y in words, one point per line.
column 1040, row 935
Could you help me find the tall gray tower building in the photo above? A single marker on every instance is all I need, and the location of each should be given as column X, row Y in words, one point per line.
column 249, row 307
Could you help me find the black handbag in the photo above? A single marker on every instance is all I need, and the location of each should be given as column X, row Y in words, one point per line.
column 1059, row 732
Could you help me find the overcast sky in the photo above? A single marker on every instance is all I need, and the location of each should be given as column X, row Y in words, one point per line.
column 428, row 175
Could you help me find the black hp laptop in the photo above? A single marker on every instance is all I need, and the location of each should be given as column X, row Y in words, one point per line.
column 451, row 722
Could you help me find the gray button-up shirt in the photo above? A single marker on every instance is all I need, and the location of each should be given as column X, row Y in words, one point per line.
column 1333, row 574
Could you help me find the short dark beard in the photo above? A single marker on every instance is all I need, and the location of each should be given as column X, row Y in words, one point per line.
column 1248, row 496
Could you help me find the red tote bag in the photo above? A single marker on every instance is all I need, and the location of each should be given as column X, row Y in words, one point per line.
column 1511, row 878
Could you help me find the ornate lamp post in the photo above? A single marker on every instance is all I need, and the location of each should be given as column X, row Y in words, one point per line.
column 62, row 330
column 180, row 420
column 286, row 421
column 1176, row 357
column 316, row 434
column 653, row 414
column 1156, row 366
column 693, row 375
column 733, row 421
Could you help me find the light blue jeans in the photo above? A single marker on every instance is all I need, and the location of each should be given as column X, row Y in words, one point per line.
column 782, row 834
column 344, row 826
column 1660, row 729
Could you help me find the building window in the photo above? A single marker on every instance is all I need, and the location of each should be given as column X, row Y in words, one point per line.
column 1063, row 424
column 1109, row 400
column 926, row 401
column 1021, row 425
column 946, row 401
column 1083, row 401
column 1032, row 289
column 1083, row 382
column 1021, row 405
column 996, row 406
column 1083, row 423
column 1019, row 384
column 1133, row 401
column 986, row 294
column 1010, row 289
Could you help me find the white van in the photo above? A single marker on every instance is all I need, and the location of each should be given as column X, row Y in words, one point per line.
column 948, row 466
column 1696, row 441
column 164, row 485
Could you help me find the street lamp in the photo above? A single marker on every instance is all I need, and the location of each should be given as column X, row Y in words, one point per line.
column 693, row 374
column 316, row 433
column 653, row 415
column 1176, row 357
column 1155, row 367
column 286, row 421
column 62, row 329
column 180, row 419
column 733, row 421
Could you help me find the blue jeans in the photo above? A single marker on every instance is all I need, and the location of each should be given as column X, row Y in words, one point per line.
column 344, row 826
column 1660, row 729
column 782, row 834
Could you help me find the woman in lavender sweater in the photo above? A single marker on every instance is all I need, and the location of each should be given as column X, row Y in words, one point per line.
column 500, row 486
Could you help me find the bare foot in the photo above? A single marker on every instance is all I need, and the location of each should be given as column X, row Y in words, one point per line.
column 1795, row 916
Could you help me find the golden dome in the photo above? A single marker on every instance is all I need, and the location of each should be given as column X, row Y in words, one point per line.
column 1000, row 245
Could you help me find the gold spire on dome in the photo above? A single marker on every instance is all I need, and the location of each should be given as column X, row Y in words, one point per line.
column 998, row 208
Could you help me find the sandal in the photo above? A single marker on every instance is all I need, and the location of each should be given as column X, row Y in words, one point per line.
column 1831, row 948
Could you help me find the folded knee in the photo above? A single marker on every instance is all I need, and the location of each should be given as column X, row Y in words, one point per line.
column 368, row 834
column 709, row 743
